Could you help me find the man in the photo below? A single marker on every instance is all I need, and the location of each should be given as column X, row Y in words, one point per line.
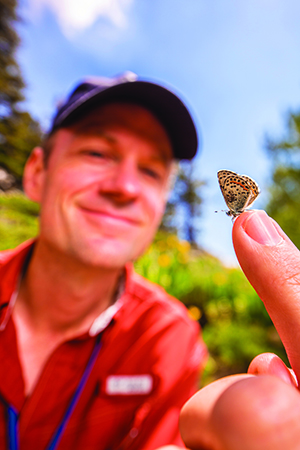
column 93, row 356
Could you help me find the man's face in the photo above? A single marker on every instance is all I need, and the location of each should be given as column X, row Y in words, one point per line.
column 105, row 185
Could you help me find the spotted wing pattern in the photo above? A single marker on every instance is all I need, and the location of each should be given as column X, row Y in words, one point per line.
column 239, row 191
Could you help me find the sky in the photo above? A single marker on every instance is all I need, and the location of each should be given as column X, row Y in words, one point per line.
column 236, row 64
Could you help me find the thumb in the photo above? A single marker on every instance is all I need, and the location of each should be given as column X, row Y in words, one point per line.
column 271, row 262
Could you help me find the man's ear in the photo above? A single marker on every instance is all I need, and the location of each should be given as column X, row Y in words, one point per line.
column 34, row 175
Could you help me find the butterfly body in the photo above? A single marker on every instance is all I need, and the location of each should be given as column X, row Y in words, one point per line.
column 239, row 191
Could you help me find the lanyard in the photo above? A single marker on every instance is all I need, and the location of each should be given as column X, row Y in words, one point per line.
column 12, row 415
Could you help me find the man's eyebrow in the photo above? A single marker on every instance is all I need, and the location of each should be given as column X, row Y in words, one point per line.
column 160, row 159
column 94, row 130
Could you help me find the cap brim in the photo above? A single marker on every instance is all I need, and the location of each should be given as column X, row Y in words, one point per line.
column 165, row 105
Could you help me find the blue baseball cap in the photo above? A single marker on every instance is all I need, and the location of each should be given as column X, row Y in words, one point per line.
column 162, row 102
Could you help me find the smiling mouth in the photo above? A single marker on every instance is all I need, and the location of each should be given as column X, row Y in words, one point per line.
column 104, row 215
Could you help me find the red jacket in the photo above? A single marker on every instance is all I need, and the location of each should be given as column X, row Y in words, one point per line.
column 146, row 369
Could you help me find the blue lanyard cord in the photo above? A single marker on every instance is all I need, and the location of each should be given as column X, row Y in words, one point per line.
column 61, row 427
column 12, row 415
column 13, row 435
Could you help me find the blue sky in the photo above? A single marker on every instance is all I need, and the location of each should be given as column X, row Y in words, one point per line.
column 235, row 62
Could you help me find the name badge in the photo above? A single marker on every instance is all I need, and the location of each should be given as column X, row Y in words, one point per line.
column 129, row 384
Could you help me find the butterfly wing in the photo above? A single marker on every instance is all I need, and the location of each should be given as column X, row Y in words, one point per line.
column 235, row 190
column 222, row 175
column 253, row 188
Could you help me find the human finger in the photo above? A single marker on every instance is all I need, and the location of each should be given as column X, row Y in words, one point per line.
column 270, row 364
column 195, row 417
column 258, row 413
column 271, row 263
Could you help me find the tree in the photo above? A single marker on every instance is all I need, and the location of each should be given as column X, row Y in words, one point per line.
column 284, row 191
column 18, row 131
column 184, row 206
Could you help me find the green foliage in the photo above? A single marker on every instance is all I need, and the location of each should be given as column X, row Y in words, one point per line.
column 233, row 344
column 284, row 199
column 11, row 82
column 184, row 206
column 19, row 133
column 18, row 219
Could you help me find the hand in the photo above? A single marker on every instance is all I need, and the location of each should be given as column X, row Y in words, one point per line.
column 271, row 262
column 245, row 411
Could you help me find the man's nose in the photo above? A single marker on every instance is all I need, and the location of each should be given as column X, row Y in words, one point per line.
column 123, row 183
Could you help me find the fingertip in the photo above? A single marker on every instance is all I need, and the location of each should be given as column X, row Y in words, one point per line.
column 271, row 364
column 259, row 227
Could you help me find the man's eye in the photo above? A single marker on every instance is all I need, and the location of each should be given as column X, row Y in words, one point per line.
column 152, row 173
column 96, row 154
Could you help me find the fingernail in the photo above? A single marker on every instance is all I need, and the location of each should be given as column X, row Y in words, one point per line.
column 261, row 229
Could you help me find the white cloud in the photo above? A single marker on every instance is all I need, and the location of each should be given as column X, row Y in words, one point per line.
column 77, row 15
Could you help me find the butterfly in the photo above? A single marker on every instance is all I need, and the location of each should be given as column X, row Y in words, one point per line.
column 239, row 191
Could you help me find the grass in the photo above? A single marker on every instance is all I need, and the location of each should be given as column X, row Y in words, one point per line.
column 18, row 219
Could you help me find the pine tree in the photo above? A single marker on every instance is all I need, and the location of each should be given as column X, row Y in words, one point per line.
column 184, row 206
column 18, row 131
